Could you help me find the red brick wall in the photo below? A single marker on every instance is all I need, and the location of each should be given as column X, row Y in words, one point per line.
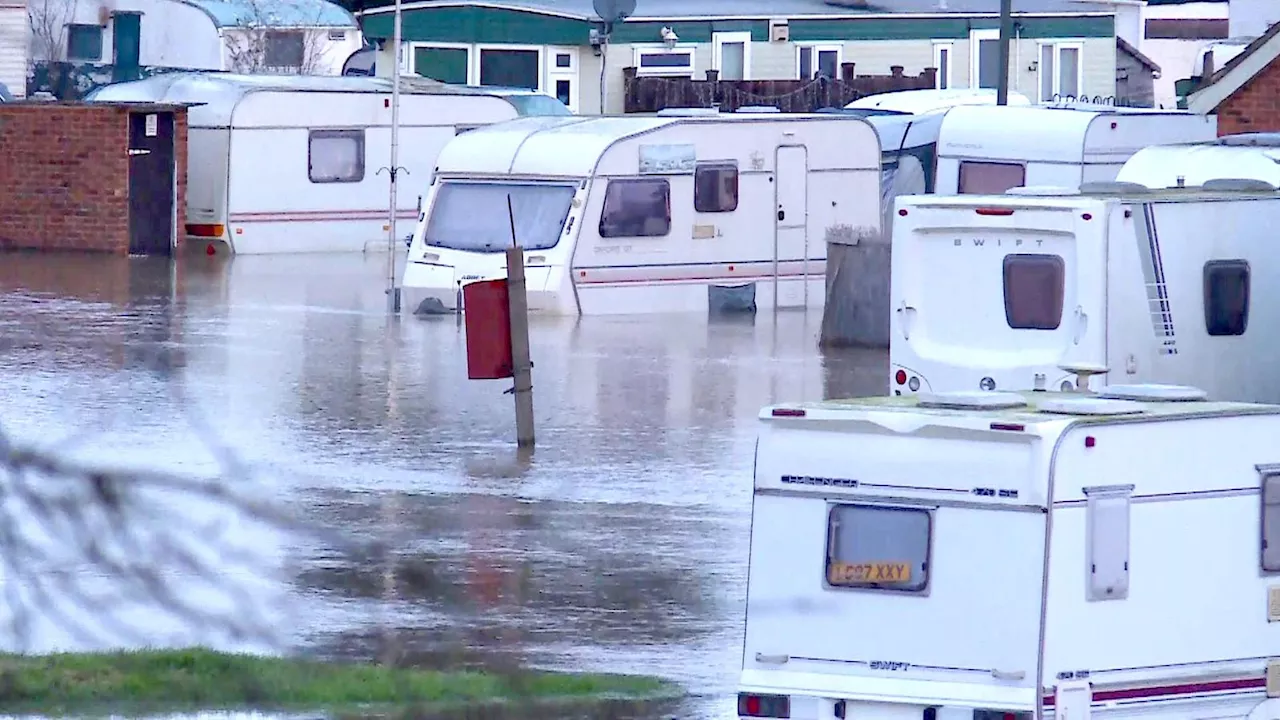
column 65, row 176
column 180, row 152
column 1254, row 107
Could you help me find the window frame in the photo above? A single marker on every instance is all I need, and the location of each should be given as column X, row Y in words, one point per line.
column 960, row 168
column 929, row 512
column 604, row 199
column 816, row 48
column 1004, row 288
column 86, row 27
column 715, row 165
column 720, row 39
column 476, row 59
column 639, row 51
column 944, row 80
column 357, row 133
column 1228, row 263
column 275, row 34
column 975, row 54
column 1265, row 473
column 1095, row 497
column 1057, row 47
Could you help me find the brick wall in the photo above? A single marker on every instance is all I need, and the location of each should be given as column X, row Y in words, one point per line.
column 1254, row 107
column 65, row 176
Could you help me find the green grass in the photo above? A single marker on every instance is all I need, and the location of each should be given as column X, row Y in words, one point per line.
column 199, row 679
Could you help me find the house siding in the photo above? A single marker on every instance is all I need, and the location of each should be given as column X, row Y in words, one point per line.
column 1255, row 107
column 13, row 47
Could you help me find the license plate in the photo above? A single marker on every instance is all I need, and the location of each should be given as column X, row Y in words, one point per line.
column 890, row 573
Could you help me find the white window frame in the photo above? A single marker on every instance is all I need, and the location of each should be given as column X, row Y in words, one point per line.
column 975, row 54
column 944, row 81
column 718, row 41
column 817, row 48
column 638, row 51
column 555, row 74
column 1058, row 46
column 473, row 73
column 410, row 61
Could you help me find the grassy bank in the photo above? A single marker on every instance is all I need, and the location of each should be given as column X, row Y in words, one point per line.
column 197, row 679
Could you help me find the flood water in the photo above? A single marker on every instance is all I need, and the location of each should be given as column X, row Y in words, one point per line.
column 619, row 545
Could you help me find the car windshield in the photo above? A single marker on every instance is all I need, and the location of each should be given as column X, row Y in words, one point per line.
column 473, row 216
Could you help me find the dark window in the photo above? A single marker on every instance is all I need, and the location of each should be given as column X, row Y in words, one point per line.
column 1271, row 522
column 285, row 49
column 84, row 42
column 715, row 187
column 510, row 68
column 884, row 548
column 563, row 60
column 562, row 91
column 448, row 65
column 636, row 208
column 983, row 178
column 1033, row 291
column 1226, row 297
column 666, row 60
column 335, row 156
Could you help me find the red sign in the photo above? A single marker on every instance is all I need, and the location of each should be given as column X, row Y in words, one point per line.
column 488, row 321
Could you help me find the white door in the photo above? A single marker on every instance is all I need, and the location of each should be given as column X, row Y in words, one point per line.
column 791, row 237
column 1071, row 701
column 562, row 75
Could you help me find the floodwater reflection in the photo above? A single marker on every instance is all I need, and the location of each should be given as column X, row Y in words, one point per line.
column 618, row 545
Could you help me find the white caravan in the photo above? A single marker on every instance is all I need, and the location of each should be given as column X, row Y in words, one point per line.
column 1253, row 156
column 1015, row 555
column 289, row 164
column 998, row 291
column 647, row 214
column 922, row 101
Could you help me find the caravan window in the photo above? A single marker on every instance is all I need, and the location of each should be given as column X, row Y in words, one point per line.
column 877, row 547
column 1271, row 521
column 473, row 216
column 335, row 156
column 1033, row 291
column 636, row 208
column 1226, row 297
column 715, row 187
column 987, row 178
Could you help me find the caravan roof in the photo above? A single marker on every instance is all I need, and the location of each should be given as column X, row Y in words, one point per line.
column 573, row 146
column 1161, row 166
column 1078, row 132
column 922, row 101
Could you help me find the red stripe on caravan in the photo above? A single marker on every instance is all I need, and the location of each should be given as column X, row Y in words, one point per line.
column 699, row 278
column 1153, row 691
column 318, row 216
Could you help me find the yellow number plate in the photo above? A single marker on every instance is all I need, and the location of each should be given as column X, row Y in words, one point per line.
column 891, row 573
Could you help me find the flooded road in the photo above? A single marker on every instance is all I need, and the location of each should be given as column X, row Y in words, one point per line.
column 620, row 545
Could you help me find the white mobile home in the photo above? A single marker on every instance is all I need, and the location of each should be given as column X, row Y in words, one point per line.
column 999, row 291
column 1254, row 156
column 648, row 214
column 281, row 164
column 983, row 556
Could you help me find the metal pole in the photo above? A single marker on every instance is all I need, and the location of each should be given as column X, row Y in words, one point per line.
column 522, row 364
column 1006, row 34
column 393, row 292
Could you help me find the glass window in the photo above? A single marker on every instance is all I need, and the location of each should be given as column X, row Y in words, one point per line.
column 563, row 60
column 1226, row 297
column 336, row 156
column 988, row 63
column 1046, row 73
column 448, row 65
column 1271, row 523
column 1069, row 71
column 985, row 178
column 285, row 49
column 878, row 547
column 636, row 208
column 715, row 187
column 733, row 61
column 1033, row 291
column 84, row 42
column 510, row 68
column 473, row 216
column 942, row 80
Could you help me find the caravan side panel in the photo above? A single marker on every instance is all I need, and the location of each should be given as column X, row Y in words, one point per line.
column 208, row 157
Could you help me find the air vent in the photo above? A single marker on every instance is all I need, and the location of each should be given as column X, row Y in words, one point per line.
column 1115, row 187
column 1092, row 406
column 1041, row 191
column 1154, row 392
column 972, row 400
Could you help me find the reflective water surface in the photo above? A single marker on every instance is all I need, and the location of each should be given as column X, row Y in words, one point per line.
column 619, row 545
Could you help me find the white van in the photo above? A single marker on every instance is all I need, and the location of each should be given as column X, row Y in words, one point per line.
column 997, row 291
column 987, row 556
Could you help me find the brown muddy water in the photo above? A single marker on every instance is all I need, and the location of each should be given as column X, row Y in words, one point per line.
column 620, row 545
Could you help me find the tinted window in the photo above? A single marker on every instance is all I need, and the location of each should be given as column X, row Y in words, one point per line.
column 636, row 208
column 982, row 178
column 1226, row 297
column 878, row 547
column 715, row 187
column 1033, row 291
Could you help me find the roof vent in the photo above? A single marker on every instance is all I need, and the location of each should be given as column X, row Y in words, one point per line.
column 972, row 400
column 1089, row 406
column 1115, row 187
column 1153, row 392
column 1238, row 185
column 1042, row 191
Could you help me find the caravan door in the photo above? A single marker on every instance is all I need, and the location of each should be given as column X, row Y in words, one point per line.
column 791, row 229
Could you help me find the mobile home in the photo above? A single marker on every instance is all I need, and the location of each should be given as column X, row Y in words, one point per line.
column 647, row 214
column 977, row 556
column 1249, row 155
column 998, row 291
column 290, row 164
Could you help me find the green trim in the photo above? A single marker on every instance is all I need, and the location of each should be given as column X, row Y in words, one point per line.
column 1064, row 27
column 472, row 25
column 944, row 28
column 699, row 31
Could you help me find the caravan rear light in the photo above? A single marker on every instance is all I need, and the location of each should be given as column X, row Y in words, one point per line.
column 210, row 231
column 1087, row 216
column 764, row 706
column 788, row 412
column 903, row 212
column 994, row 211
column 1011, row 427
column 901, row 377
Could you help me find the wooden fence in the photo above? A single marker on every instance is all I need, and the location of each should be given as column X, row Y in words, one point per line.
column 651, row 94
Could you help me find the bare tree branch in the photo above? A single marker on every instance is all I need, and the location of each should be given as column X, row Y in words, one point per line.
column 49, row 20
column 250, row 42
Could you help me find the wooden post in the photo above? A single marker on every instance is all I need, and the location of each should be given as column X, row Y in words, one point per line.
column 521, row 363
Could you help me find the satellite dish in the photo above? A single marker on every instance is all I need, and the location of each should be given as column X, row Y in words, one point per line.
column 612, row 11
